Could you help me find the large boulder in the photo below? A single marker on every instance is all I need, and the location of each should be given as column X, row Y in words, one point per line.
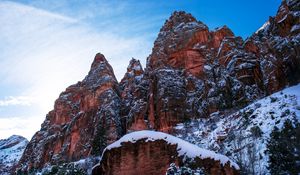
column 150, row 152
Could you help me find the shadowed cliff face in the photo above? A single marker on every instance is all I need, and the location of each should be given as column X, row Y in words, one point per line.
column 191, row 73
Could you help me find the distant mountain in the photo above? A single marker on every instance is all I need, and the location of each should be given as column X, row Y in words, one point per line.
column 11, row 150
column 198, row 79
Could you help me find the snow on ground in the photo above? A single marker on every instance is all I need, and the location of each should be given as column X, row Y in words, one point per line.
column 231, row 134
column 294, row 91
column 11, row 149
column 184, row 148
column 82, row 166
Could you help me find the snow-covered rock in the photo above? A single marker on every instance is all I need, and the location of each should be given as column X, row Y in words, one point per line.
column 150, row 148
column 232, row 134
column 11, row 150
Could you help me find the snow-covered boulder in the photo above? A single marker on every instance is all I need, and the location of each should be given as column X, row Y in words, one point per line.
column 151, row 152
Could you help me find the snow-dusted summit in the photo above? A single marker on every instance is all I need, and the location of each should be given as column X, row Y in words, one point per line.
column 11, row 150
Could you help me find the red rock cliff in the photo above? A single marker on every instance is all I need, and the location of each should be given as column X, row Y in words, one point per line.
column 82, row 115
column 191, row 72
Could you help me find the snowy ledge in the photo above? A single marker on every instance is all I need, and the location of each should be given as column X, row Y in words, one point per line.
column 184, row 148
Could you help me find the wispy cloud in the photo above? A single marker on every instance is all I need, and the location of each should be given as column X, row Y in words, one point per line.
column 15, row 101
column 25, row 126
column 42, row 53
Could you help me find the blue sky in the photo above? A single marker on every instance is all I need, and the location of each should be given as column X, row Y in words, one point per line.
column 47, row 45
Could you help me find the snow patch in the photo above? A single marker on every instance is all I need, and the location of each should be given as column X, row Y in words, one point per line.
column 264, row 26
column 207, row 67
column 295, row 28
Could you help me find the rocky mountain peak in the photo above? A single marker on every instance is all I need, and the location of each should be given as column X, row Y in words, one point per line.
column 285, row 23
column 83, row 114
column 98, row 59
column 101, row 72
column 177, row 18
column 11, row 141
column 179, row 32
column 134, row 71
column 224, row 29
column 134, row 65
column 129, row 85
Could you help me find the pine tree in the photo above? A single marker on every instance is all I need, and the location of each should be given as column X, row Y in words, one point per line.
column 273, row 151
column 100, row 141
column 256, row 132
column 183, row 170
column 283, row 149
column 288, row 136
column 297, row 146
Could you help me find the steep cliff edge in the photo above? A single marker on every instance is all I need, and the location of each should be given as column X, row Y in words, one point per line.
column 84, row 120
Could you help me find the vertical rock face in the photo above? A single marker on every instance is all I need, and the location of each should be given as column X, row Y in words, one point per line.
column 173, row 47
column 129, row 85
column 84, row 114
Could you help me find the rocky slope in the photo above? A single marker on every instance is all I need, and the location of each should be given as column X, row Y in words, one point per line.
column 11, row 150
column 155, row 152
column 237, row 134
column 193, row 73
